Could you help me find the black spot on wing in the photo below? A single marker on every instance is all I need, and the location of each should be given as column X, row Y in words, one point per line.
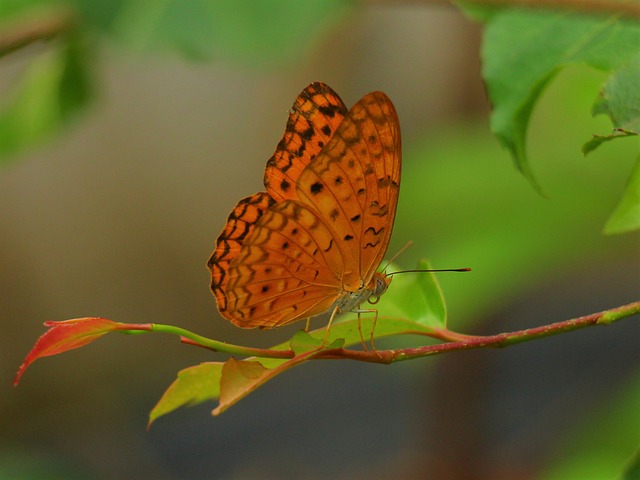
column 316, row 188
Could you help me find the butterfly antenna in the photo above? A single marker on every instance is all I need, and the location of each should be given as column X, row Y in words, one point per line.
column 465, row 269
column 409, row 243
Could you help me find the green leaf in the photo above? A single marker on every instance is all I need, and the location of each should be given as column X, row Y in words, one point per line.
column 194, row 385
column 302, row 342
column 267, row 32
column 626, row 216
column 620, row 97
column 55, row 88
column 524, row 50
column 418, row 297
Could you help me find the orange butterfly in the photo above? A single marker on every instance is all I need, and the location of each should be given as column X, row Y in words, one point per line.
column 314, row 240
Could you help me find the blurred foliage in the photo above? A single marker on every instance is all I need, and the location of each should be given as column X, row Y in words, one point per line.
column 58, row 84
column 625, row 216
column 524, row 49
column 267, row 33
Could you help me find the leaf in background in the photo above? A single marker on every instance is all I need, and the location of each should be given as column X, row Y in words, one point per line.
column 626, row 216
column 620, row 97
column 598, row 140
column 417, row 296
column 194, row 385
column 70, row 334
column 265, row 33
column 523, row 50
column 56, row 87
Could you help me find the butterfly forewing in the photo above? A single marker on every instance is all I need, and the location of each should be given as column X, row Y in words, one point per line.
column 314, row 117
column 354, row 183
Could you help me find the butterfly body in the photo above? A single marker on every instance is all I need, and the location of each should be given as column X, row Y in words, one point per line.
column 313, row 241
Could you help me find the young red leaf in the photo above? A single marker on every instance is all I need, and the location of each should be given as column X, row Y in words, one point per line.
column 74, row 333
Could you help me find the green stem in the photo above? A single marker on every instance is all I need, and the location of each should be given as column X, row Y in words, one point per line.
column 218, row 346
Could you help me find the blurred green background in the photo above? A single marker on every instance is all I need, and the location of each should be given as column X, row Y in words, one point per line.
column 117, row 216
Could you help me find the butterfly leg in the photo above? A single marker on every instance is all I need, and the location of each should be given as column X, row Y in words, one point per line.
column 336, row 310
column 364, row 344
column 308, row 325
column 373, row 327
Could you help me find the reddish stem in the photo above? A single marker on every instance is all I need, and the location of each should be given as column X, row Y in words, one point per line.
column 498, row 340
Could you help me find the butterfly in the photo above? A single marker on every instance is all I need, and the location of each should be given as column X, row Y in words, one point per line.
column 314, row 240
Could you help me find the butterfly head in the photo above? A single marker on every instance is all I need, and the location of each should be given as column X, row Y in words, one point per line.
column 380, row 282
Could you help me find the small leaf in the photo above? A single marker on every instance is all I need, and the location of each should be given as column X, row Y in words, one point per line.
column 626, row 216
column 194, row 385
column 302, row 342
column 71, row 334
column 416, row 297
column 598, row 140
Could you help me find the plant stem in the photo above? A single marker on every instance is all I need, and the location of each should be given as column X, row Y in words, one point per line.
column 500, row 340
column 456, row 341
column 191, row 338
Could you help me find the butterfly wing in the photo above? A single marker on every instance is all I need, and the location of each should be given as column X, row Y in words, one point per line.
column 241, row 221
column 354, row 183
column 302, row 255
column 314, row 117
column 285, row 271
